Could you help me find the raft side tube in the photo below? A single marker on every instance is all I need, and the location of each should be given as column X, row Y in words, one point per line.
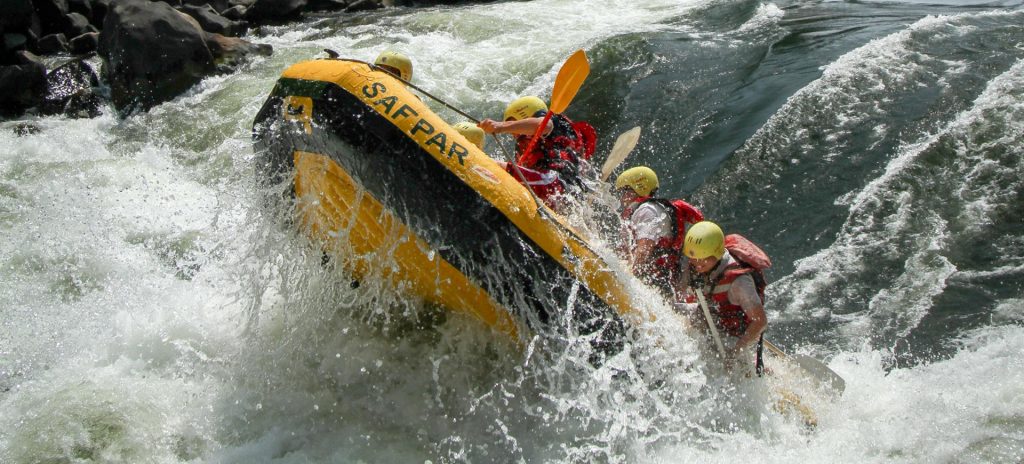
column 370, row 158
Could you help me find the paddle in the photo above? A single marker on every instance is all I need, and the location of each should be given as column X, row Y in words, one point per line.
column 711, row 323
column 567, row 84
column 622, row 147
column 817, row 369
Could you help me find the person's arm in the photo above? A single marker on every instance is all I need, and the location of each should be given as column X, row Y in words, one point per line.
column 640, row 258
column 744, row 293
column 521, row 127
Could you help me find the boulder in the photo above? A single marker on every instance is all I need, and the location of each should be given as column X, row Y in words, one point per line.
column 85, row 43
column 76, row 25
column 16, row 14
column 232, row 51
column 13, row 42
column 275, row 10
column 52, row 44
column 363, row 5
column 99, row 11
column 151, row 53
column 326, row 5
column 210, row 21
column 24, row 129
column 235, row 13
column 22, row 86
column 83, row 7
column 217, row 5
column 52, row 15
column 70, row 90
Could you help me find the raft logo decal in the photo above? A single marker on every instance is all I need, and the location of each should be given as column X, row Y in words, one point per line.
column 299, row 109
column 485, row 173
column 392, row 107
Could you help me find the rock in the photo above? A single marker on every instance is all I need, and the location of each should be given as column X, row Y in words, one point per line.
column 363, row 5
column 217, row 5
column 83, row 7
column 151, row 53
column 99, row 11
column 71, row 91
column 14, row 42
column 23, row 129
column 77, row 24
column 27, row 57
column 269, row 10
column 326, row 5
column 210, row 21
column 52, row 15
column 19, row 27
column 16, row 14
column 85, row 43
column 235, row 13
column 22, row 86
column 52, row 44
column 232, row 51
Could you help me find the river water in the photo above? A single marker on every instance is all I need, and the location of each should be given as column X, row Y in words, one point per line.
column 151, row 310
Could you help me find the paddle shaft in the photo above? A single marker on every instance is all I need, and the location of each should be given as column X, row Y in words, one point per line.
column 711, row 323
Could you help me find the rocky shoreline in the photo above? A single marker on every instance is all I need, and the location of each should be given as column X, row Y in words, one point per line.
column 150, row 51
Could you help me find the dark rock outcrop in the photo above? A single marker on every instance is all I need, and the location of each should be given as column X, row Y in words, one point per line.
column 151, row 53
column 230, row 52
column 326, row 5
column 70, row 90
column 235, row 13
column 210, row 21
column 275, row 10
column 76, row 25
column 52, row 15
column 53, row 43
column 217, row 5
column 22, row 86
column 363, row 5
column 85, row 43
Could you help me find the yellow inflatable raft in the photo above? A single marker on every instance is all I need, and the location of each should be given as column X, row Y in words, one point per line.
column 379, row 178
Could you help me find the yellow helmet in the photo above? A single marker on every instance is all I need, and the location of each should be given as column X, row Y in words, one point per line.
column 397, row 62
column 524, row 107
column 472, row 133
column 641, row 179
column 704, row 239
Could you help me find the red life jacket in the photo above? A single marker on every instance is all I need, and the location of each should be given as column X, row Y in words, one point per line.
column 749, row 259
column 567, row 143
column 666, row 252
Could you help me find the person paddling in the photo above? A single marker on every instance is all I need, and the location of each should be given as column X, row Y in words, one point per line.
column 727, row 273
column 653, row 228
column 554, row 165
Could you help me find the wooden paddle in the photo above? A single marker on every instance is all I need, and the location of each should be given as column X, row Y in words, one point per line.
column 711, row 323
column 817, row 369
column 622, row 147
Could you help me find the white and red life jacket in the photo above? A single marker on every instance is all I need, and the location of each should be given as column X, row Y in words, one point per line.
column 666, row 252
column 748, row 259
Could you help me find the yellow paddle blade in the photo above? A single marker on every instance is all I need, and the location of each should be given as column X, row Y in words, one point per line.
column 569, row 80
